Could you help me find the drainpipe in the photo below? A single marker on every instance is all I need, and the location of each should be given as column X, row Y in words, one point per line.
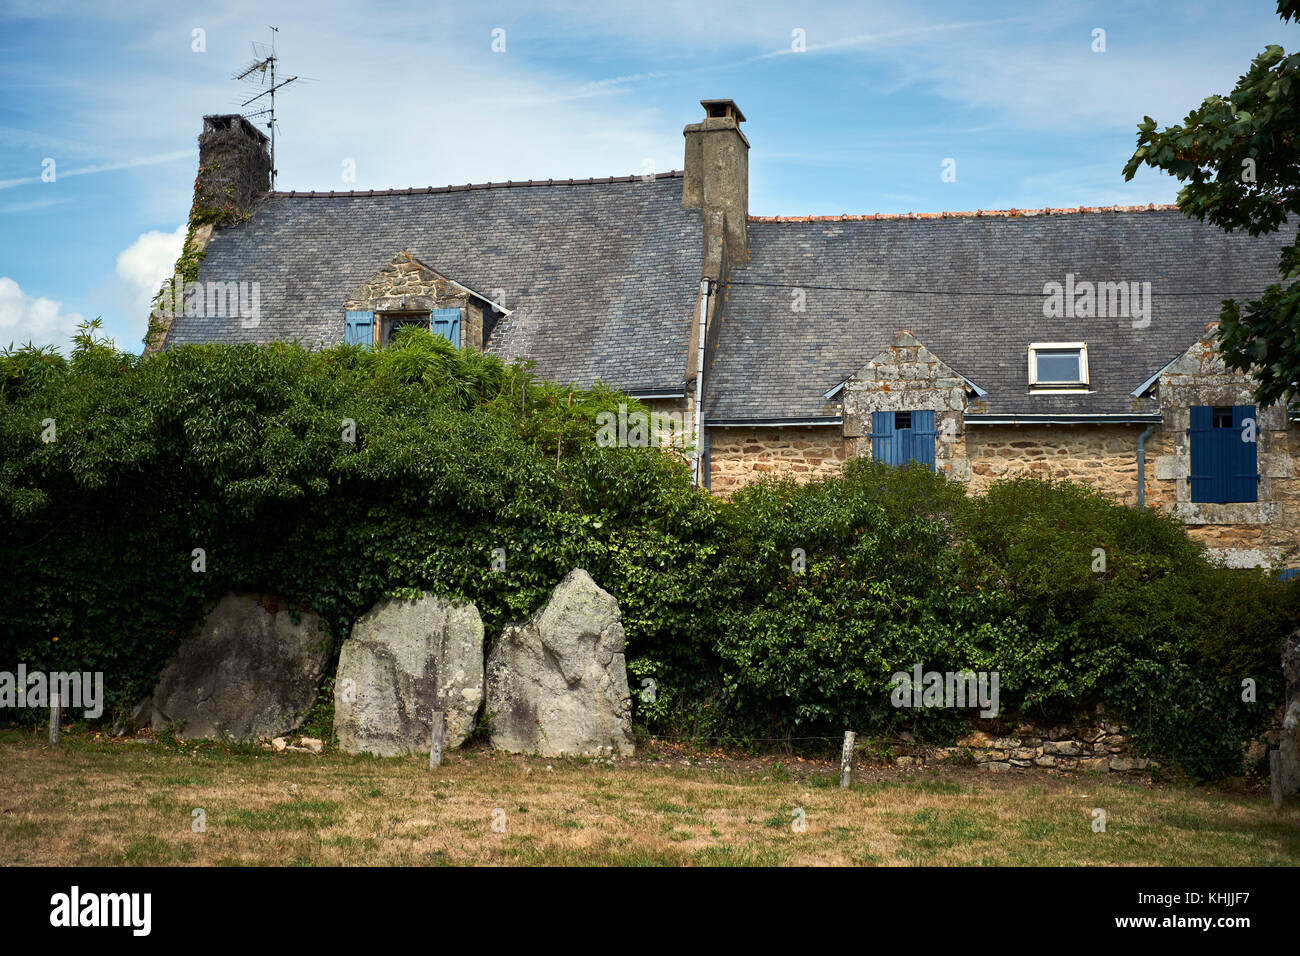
column 1142, row 466
column 706, row 287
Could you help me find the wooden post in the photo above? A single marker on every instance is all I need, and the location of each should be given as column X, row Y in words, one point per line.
column 437, row 727
column 54, row 719
column 1275, row 777
column 846, row 759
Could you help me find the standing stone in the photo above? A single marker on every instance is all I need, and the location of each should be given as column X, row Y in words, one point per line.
column 404, row 661
column 1289, row 744
column 558, row 684
column 249, row 672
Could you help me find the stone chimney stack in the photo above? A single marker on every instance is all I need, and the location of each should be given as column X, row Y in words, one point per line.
column 716, row 173
column 234, row 168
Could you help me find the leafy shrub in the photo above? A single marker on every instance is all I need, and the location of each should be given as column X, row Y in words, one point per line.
column 241, row 451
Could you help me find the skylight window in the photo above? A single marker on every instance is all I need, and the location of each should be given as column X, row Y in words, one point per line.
column 1058, row 365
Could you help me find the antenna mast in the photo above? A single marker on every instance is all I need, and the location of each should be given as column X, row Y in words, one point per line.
column 258, row 72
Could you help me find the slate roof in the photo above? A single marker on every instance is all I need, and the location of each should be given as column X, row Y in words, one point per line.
column 600, row 276
column 772, row 363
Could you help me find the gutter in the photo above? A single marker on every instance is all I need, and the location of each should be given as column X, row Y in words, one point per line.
column 706, row 288
column 1154, row 418
column 773, row 422
column 678, row 391
column 1142, row 466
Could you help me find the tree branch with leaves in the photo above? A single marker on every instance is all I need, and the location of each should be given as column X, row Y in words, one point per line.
column 1239, row 158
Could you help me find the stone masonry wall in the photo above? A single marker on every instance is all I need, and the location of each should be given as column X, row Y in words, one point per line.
column 1093, row 742
column 1103, row 457
column 738, row 456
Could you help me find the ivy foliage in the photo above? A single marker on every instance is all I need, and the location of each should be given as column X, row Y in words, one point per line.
column 243, row 452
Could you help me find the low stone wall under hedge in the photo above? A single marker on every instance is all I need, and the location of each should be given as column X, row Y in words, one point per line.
column 1094, row 743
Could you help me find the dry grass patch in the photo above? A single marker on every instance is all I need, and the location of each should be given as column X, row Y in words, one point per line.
column 101, row 802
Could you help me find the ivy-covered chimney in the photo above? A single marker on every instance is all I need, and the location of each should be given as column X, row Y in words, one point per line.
column 234, row 169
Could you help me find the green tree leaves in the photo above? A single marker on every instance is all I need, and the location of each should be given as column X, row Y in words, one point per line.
column 1239, row 159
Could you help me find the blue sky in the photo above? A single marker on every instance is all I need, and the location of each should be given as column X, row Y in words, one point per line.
column 413, row 94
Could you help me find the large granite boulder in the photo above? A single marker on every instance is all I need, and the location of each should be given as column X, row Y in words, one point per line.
column 403, row 661
column 249, row 672
column 1289, row 744
column 558, row 684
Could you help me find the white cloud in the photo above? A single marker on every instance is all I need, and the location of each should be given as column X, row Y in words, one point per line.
column 141, row 268
column 40, row 321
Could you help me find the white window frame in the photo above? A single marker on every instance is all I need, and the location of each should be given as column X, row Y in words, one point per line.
column 1038, row 384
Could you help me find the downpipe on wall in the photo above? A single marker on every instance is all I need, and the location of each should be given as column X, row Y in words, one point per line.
column 1142, row 466
column 706, row 289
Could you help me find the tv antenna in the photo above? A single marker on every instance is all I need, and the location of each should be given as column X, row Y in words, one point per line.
column 261, row 73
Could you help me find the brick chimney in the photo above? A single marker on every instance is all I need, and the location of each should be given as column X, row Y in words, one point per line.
column 234, row 168
column 716, row 172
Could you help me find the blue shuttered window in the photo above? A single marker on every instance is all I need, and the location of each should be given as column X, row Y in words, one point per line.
column 900, row 437
column 359, row 328
column 446, row 322
column 1224, row 465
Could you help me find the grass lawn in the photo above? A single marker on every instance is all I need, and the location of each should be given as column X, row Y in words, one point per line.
column 97, row 801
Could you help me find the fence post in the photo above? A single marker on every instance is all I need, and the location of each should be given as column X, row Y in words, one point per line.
column 54, row 719
column 846, row 759
column 1275, row 777
column 437, row 726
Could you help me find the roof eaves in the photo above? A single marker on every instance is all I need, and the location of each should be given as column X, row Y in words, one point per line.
column 976, row 214
column 773, row 422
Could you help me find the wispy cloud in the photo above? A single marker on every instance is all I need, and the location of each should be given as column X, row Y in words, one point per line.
column 18, row 207
column 102, row 168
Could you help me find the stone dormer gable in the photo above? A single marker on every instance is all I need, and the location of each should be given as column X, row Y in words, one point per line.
column 406, row 291
column 908, row 377
column 1199, row 380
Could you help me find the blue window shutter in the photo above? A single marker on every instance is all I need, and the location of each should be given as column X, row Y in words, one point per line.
column 1202, row 479
column 446, row 322
column 923, row 438
column 902, row 444
column 359, row 328
column 884, row 440
column 1243, row 478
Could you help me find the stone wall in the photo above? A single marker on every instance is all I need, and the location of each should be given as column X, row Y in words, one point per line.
column 1103, row 457
column 1091, row 743
column 738, row 456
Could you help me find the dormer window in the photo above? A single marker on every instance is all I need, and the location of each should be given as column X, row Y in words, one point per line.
column 392, row 321
column 361, row 327
column 1058, row 366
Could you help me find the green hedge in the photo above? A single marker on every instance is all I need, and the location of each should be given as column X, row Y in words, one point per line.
column 240, row 450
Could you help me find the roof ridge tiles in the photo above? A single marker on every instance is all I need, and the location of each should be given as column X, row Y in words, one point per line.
column 976, row 214
column 508, row 184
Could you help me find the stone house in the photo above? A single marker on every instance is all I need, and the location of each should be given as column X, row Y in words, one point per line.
column 1063, row 342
